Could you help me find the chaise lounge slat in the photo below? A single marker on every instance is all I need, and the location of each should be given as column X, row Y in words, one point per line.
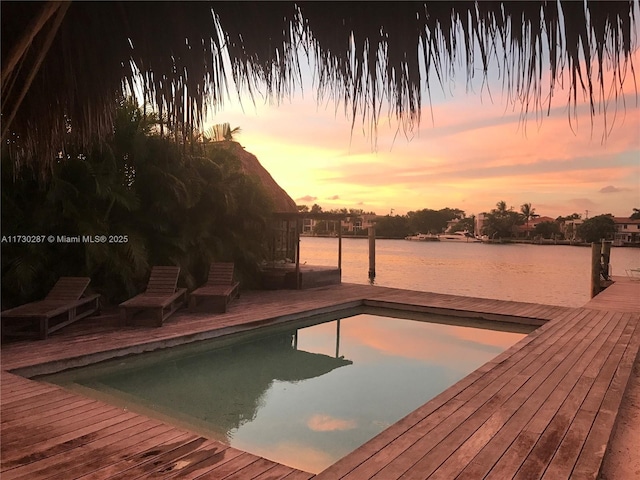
column 65, row 303
column 160, row 300
column 220, row 288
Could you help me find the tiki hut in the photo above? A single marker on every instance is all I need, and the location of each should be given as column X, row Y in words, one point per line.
column 283, row 238
column 65, row 64
column 250, row 165
column 283, row 268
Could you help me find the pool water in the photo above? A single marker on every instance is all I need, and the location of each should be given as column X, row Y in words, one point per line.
column 305, row 397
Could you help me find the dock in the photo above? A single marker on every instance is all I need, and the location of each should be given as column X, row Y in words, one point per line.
column 544, row 408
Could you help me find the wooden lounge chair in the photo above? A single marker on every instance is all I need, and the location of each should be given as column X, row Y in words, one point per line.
column 160, row 299
column 65, row 304
column 220, row 287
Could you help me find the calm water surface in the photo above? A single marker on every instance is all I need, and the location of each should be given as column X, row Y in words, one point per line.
column 547, row 274
column 304, row 398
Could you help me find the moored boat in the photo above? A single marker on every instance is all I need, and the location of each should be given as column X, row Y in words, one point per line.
column 422, row 237
column 461, row 237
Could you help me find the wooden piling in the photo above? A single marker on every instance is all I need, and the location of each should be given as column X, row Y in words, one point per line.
column 298, row 228
column 340, row 247
column 595, row 269
column 372, row 253
column 605, row 252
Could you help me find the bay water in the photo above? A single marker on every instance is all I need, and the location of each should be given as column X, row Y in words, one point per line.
column 545, row 274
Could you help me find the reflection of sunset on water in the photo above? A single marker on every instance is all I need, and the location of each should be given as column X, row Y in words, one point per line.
column 307, row 458
column 401, row 338
column 326, row 423
column 305, row 397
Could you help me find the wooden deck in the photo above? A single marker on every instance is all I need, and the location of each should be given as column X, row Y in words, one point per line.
column 545, row 408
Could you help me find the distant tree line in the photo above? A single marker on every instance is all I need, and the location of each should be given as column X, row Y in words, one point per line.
column 501, row 222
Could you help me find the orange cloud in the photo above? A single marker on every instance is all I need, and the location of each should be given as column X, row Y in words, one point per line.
column 450, row 339
column 326, row 423
column 475, row 153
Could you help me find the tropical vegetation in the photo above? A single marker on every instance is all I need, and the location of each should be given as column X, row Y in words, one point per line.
column 393, row 226
column 220, row 132
column 154, row 203
column 594, row 229
column 501, row 221
column 547, row 230
column 432, row 221
column 528, row 212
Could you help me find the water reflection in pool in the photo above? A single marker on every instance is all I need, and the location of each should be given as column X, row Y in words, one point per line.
column 304, row 398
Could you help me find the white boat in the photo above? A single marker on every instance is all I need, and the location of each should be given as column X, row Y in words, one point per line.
column 422, row 237
column 461, row 237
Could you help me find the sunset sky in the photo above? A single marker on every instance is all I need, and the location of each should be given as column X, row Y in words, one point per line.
column 470, row 151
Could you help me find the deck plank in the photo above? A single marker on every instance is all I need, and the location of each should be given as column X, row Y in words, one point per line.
column 137, row 453
column 276, row 472
column 49, row 465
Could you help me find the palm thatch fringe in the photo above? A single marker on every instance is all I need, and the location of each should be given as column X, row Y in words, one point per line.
column 64, row 66
column 250, row 165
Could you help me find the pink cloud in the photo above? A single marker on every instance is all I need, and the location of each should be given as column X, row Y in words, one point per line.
column 473, row 149
column 327, row 423
column 612, row 189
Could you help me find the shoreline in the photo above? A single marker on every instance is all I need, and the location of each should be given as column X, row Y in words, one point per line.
column 503, row 241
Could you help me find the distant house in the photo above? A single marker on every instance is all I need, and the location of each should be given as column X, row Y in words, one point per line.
column 569, row 229
column 479, row 222
column 627, row 231
column 527, row 229
column 451, row 224
column 353, row 225
column 308, row 226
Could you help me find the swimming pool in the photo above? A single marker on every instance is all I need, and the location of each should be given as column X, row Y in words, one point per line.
column 303, row 395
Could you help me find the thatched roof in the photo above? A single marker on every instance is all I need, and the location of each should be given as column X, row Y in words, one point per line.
column 64, row 65
column 282, row 202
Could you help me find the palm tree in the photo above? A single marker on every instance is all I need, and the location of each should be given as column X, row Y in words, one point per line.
column 220, row 132
column 501, row 207
column 528, row 213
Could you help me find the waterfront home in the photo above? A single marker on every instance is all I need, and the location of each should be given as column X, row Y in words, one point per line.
column 627, row 231
column 527, row 230
column 316, row 224
column 355, row 224
column 569, row 229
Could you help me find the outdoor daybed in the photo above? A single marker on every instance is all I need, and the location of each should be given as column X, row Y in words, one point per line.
column 66, row 303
